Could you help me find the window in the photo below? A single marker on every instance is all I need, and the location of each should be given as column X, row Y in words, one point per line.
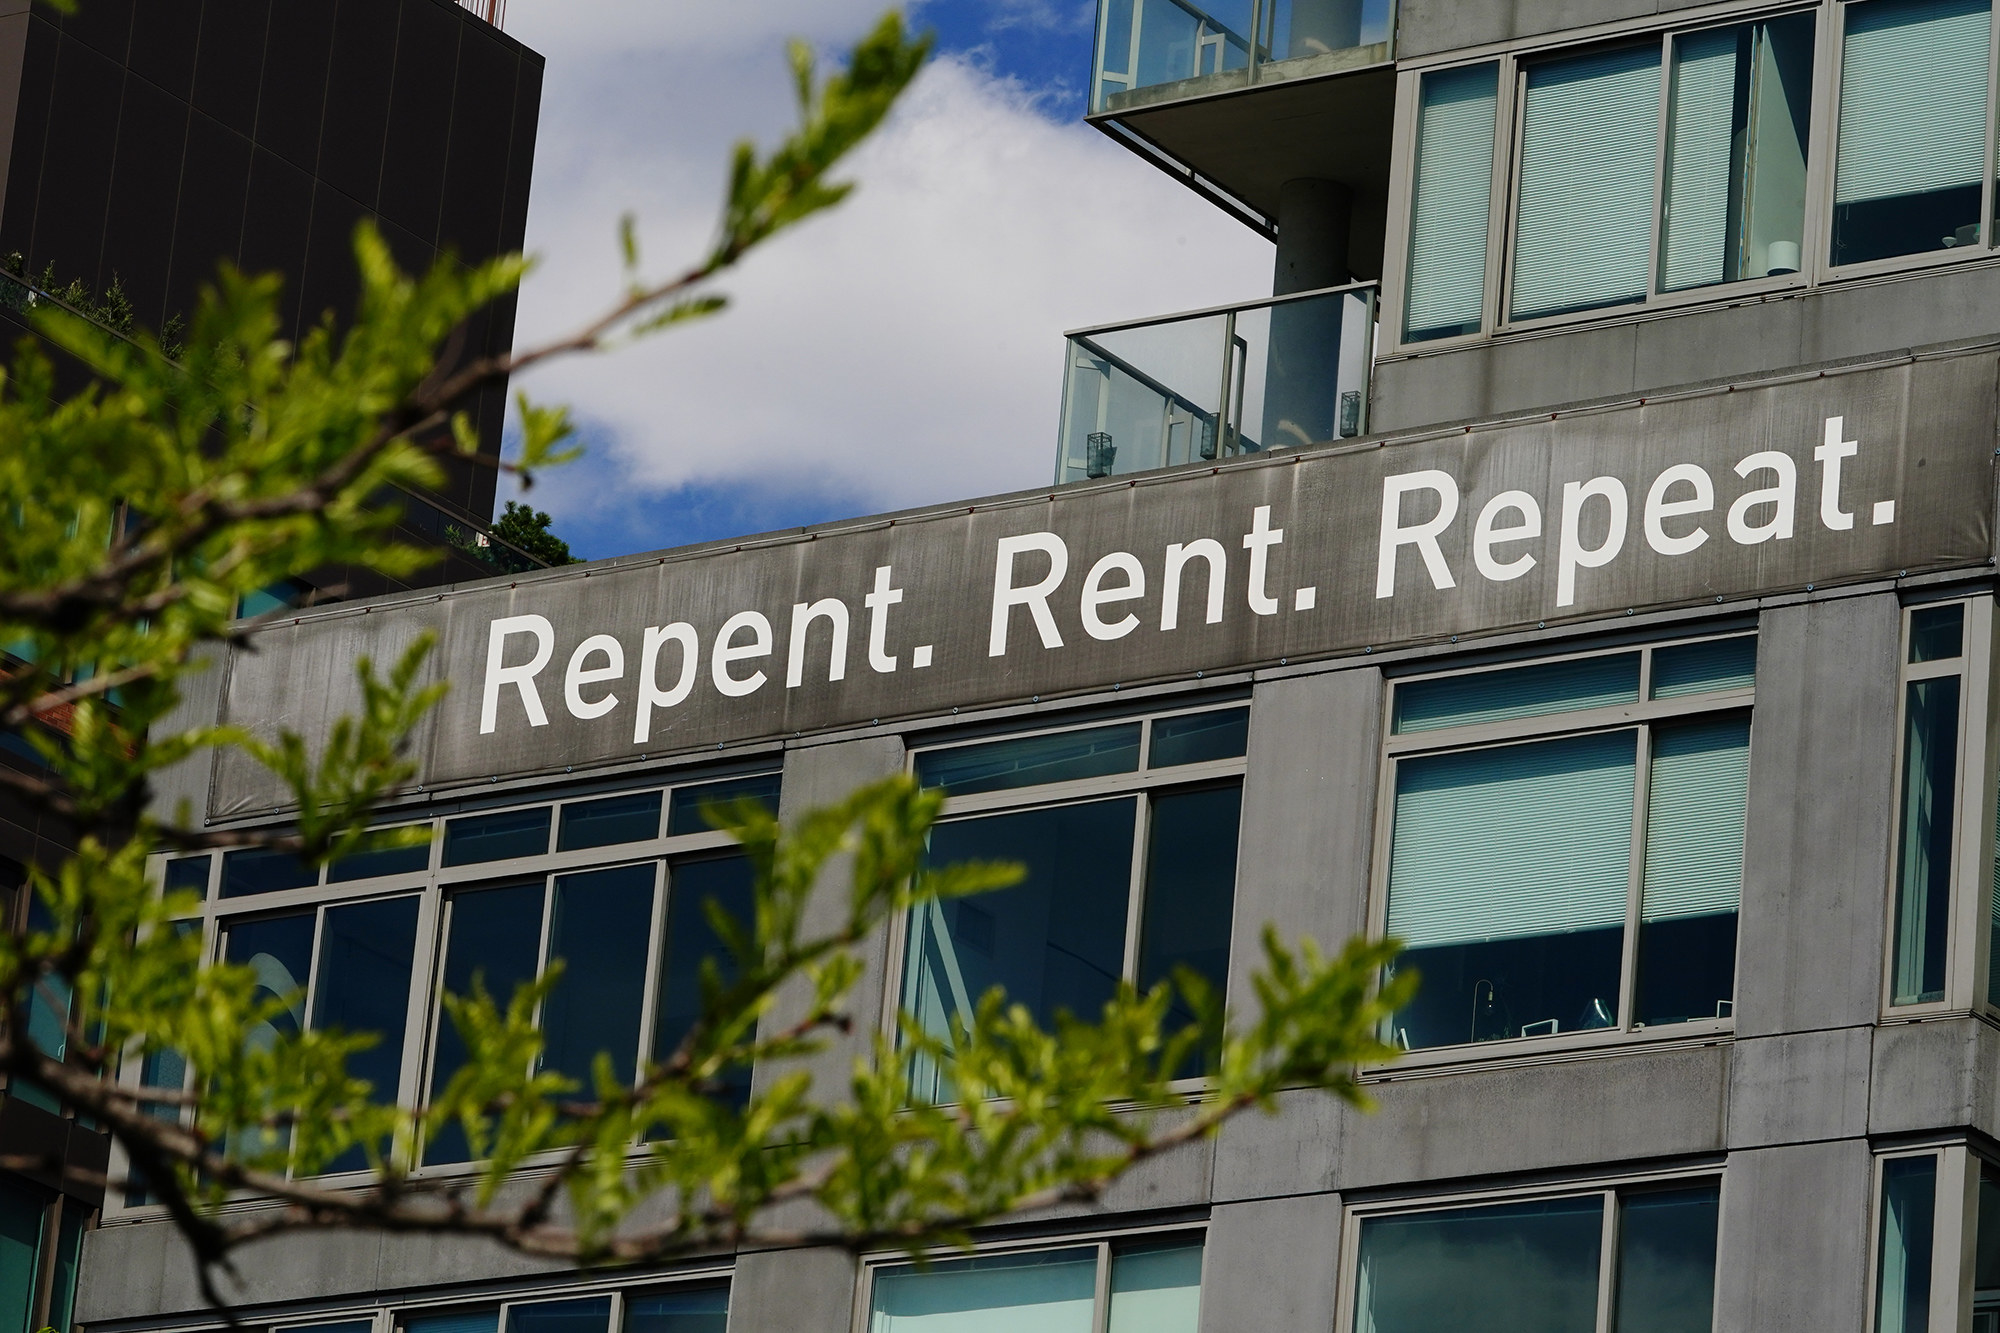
column 1128, row 832
column 1936, row 700
column 1911, row 160
column 1663, row 165
column 1153, row 1286
column 1535, row 1265
column 1564, row 850
column 595, row 883
column 1928, row 1202
column 687, row 1307
column 41, row 1236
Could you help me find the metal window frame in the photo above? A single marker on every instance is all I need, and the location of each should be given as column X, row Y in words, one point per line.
column 1641, row 716
column 1972, row 828
column 435, row 887
column 1139, row 783
column 1612, row 1189
column 1954, row 1230
column 1106, row 1241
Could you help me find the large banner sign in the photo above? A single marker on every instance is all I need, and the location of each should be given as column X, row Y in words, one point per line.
column 1724, row 494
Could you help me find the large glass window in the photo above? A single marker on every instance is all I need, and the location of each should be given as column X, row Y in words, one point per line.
column 1535, row 1266
column 1925, row 1201
column 1153, row 1286
column 1566, row 842
column 1128, row 833
column 1934, row 680
column 1448, row 224
column 1911, row 159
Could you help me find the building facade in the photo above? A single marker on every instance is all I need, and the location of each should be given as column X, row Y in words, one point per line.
column 1581, row 569
column 144, row 142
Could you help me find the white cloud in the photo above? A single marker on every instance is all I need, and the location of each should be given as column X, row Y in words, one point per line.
column 905, row 348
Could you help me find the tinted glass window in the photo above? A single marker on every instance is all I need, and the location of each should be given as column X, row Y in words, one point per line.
column 725, row 881
column 1514, row 1268
column 453, row 1321
column 1032, row 760
column 687, row 815
column 1666, row 1260
column 1517, row 692
column 1055, row 941
column 1190, row 891
column 366, row 951
column 257, row 870
column 591, row 1315
column 701, row 1310
column 601, row 927
column 376, row 862
column 189, row 872
column 494, row 940
column 1199, row 737
column 1050, row 1291
column 610, row 821
column 1156, row 1289
column 478, row 838
column 1937, row 632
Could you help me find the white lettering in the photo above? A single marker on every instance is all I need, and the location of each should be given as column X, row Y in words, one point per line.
column 1178, row 556
column 834, row 612
column 1096, row 595
column 1659, row 508
column 1829, row 456
column 521, row 677
column 1258, row 542
column 1486, row 534
column 1035, row 596
column 1784, row 496
column 579, row 676
column 878, row 604
column 1571, row 554
column 1423, row 536
column 727, row 652
column 651, row 696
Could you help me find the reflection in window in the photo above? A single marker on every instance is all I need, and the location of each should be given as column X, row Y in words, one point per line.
column 366, row 951
column 601, row 927
column 1454, row 189
column 1737, row 131
column 279, row 950
column 690, row 804
column 610, row 821
column 1153, row 1287
column 377, row 862
column 1032, row 760
column 1533, row 1267
column 1198, row 738
column 683, row 1310
column 1584, row 222
column 493, row 940
column 259, row 870
column 1927, row 820
column 1903, row 1248
column 453, row 1321
column 21, row 1209
column 1190, row 894
column 1912, row 143
column 1986, row 1255
column 592, row 1314
column 727, row 882
column 475, row 839
column 1054, row 942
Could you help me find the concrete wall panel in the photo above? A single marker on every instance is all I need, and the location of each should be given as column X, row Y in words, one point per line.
column 793, row 1291
column 1822, row 783
column 1272, row 1266
column 1792, row 1089
column 1793, row 1253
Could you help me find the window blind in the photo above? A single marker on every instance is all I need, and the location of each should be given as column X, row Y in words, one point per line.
column 1700, row 132
column 1517, row 692
column 1051, row 1292
column 1512, row 841
column 1695, row 812
column 1454, row 194
column 1588, row 142
column 1912, row 98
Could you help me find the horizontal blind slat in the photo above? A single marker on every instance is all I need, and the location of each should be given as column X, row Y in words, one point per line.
column 1700, row 127
column 1448, row 226
column 1912, row 98
column 1695, row 815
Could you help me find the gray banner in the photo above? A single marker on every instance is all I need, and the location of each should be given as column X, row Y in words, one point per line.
column 1839, row 478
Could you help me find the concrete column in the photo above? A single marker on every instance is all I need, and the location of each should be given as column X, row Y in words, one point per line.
column 1793, row 1252
column 793, row 1291
column 1302, row 382
column 1272, row 1266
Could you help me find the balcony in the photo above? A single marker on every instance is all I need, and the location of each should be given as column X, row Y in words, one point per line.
column 1213, row 384
column 1151, row 51
column 493, row 11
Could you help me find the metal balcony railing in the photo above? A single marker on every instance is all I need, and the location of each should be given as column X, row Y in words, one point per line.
column 1149, row 43
column 1217, row 383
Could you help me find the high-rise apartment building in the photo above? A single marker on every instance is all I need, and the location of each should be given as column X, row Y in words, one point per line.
column 1580, row 568
column 142, row 143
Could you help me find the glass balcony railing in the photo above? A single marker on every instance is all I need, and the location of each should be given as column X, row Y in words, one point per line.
column 1145, row 44
column 1216, row 384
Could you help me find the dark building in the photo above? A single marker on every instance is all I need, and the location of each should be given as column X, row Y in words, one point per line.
column 142, row 142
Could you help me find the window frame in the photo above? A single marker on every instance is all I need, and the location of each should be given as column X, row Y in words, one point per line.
column 1953, row 1228
column 387, row 1317
column 1140, row 783
column 1966, row 962
column 435, row 886
column 1105, row 1241
column 1610, row 1188
column 1641, row 716
column 1816, row 268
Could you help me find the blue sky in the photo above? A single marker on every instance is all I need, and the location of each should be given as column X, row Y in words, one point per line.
column 904, row 349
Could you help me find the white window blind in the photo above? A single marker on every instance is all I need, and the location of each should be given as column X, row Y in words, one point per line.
column 1512, row 841
column 1053, row 1292
column 1584, row 233
column 1453, row 199
column 1912, row 98
column 1695, row 811
column 1700, row 130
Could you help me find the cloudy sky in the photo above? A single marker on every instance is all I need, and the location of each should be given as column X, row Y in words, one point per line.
column 903, row 350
